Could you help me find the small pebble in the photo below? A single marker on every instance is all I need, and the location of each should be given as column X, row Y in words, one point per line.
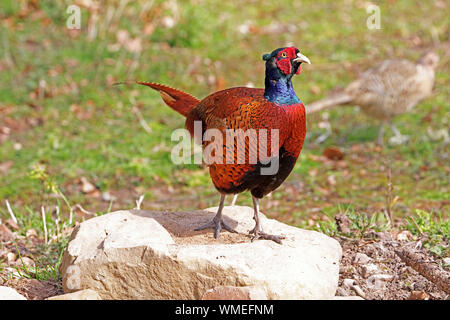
column 11, row 257
column 405, row 235
column 107, row 197
column 31, row 233
column 369, row 269
column 378, row 281
column 348, row 283
column 361, row 258
column 27, row 261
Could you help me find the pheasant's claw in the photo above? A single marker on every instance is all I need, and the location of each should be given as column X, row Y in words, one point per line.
column 262, row 235
column 265, row 236
column 217, row 225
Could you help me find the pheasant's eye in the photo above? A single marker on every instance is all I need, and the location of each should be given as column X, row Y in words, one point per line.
column 284, row 55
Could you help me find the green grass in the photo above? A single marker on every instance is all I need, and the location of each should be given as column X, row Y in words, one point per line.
column 434, row 227
column 79, row 125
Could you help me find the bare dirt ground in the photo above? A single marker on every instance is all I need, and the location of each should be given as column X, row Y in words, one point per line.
column 372, row 269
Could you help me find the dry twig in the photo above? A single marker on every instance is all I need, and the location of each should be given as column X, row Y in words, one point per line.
column 426, row 267
column 83, row 210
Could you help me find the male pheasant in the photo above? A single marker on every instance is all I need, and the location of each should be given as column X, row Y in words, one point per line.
column 275, row 111
column 391, row 88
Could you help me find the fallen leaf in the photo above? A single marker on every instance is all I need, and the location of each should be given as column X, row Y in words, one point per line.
column 6, row 234
column 12, row 224
column 418, row 295
column 149, row 29
column 5, row 166
column 5, row 130
column 333, row 153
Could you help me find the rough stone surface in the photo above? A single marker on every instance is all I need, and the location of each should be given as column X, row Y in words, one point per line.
column 87, row 294
column 7, row 293
column 156, row 255
column 235, row 293
column 347, row 298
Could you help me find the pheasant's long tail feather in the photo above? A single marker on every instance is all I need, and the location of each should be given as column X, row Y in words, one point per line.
column 334, row 100
column 179, row 101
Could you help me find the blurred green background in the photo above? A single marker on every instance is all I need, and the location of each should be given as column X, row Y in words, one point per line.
column 59, row 109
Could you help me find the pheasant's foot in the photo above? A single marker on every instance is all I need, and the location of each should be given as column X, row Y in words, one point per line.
column 398, row 140
column 259, row 234
column 262, row 235
column 217, row 225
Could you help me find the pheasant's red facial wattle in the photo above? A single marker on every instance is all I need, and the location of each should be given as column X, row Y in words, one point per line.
column 284, row 64
column 284, row 60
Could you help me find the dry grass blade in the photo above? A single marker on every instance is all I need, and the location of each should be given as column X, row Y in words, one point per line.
column 141, row 119
column 44, row 222
column 139, row 202
column 11, row 213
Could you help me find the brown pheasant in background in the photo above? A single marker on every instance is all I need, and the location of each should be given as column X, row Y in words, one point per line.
column 391, row 88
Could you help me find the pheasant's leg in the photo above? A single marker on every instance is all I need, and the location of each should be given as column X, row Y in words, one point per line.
column 381, row 134
column 217, row 222
column 233, row 202
column 257, row 230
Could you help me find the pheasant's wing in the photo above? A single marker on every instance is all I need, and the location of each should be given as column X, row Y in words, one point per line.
column 242, row 126
column 243, row 113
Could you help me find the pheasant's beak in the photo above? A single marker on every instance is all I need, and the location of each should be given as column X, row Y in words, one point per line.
column 302, row 58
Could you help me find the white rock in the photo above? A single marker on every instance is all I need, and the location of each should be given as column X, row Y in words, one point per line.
column 7, row 293
column 156, row 255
